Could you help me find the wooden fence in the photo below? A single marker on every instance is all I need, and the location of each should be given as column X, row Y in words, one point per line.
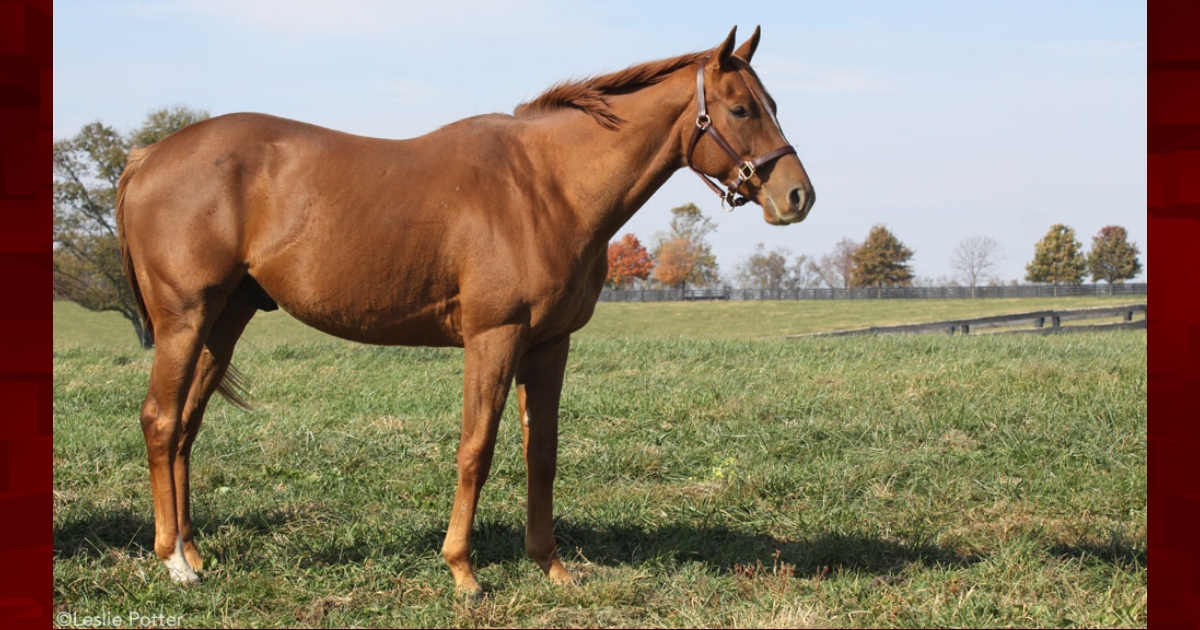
column 894, row 293
column 1043, row 322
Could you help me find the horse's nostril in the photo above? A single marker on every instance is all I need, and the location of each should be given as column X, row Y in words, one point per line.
column 796, row 198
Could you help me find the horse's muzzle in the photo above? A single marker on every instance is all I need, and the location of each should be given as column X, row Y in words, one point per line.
column 799, row 201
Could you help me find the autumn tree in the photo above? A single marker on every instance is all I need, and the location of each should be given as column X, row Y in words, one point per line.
column 686, row 245
column 87, row 167
column 1057, row 258
column 676, row 262
column 627, row 260
column 881, row 261
column 975, row 259
column 1113, row 258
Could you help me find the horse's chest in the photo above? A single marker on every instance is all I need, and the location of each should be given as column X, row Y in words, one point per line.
column 569, row 304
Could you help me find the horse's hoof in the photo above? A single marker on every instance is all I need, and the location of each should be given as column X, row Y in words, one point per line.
column 473, row 598
column 184, row 577
column 559, row 576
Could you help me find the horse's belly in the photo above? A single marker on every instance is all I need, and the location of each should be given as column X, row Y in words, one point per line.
column 400, row 331
column 362, row 295
column 435, row 323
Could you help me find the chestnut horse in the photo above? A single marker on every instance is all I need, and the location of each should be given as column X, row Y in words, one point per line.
column 488, row 234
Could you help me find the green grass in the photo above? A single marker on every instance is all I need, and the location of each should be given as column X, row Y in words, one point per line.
column 76, row 328
column 711, row 474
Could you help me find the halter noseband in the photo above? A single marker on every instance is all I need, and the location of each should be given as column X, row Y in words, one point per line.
column 746, row 168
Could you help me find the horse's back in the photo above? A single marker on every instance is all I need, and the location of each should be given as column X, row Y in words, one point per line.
column 206, row 159
column 369, row 239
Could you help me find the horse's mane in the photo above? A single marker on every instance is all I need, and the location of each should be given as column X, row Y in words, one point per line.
column 590, row 95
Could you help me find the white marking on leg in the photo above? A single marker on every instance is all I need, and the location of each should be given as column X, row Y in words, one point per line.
column 525, row 418
column 177, row 566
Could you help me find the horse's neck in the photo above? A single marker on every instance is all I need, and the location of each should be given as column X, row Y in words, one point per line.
column 611, row 174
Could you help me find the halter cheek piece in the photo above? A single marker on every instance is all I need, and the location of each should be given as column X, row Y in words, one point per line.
column 746, row 168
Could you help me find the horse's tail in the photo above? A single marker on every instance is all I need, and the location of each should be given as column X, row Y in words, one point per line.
column 136, row 158
column 233, row 387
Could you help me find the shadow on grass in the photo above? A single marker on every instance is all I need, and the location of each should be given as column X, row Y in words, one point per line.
column 1117, row 552
column 721, row 548
column 95, row 533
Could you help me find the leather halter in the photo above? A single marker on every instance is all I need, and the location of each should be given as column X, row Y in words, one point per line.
column 746, row 168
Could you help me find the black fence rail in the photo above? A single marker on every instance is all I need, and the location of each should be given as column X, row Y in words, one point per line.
column 896, row 293
column 1044, row 322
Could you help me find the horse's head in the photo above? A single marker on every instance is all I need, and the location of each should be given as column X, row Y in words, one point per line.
column 737, row 138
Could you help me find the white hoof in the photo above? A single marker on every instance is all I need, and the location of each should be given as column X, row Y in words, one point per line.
column 177, row 566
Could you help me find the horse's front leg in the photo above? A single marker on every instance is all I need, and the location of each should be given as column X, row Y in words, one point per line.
column 539, row 387
column 490, row 361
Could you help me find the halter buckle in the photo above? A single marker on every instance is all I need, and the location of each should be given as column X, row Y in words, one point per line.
column 746, row 171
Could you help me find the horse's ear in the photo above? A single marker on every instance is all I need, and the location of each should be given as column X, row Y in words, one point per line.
column 721, row 59
column 746, row 50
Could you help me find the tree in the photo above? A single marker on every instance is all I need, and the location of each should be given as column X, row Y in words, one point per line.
column 1057, row 258
column 803, row 273
column 835, row 268
column 689, row 246
column 771, row 270
column 675, row 263
column 87, row 167
column 627, row 259
column 764, row 270
column 975, row 260
column 882, row 260
column 1113, row 258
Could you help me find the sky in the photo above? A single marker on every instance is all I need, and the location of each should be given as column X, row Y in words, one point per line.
column 939, row 120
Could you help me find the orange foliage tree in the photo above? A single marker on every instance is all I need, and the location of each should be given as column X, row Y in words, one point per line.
column 627, row 259
column 677, row 260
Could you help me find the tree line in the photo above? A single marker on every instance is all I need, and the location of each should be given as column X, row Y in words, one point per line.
column 682, row 258
column 88, row 269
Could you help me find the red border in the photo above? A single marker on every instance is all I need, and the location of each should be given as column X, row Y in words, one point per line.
column 1173, row 223
column 26, row 476
column 26, row 332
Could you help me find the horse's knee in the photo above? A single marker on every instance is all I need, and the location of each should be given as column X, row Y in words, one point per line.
column 161, row 433
column 474, row 464
column 150, row 412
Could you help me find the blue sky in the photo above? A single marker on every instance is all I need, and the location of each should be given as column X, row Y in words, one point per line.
column 940, row 120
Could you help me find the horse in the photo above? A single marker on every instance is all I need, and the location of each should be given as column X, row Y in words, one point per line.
column 488, row 234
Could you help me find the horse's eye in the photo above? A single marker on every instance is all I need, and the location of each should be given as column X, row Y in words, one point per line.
column 739, row 111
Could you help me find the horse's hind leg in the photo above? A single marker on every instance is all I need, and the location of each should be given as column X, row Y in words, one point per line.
column 178, row 340
column 211, row 369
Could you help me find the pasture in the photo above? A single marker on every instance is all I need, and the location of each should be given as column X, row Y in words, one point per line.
column 710, row 474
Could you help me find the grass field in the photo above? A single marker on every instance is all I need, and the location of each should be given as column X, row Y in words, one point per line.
column 77, row 328
column 711, row 474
